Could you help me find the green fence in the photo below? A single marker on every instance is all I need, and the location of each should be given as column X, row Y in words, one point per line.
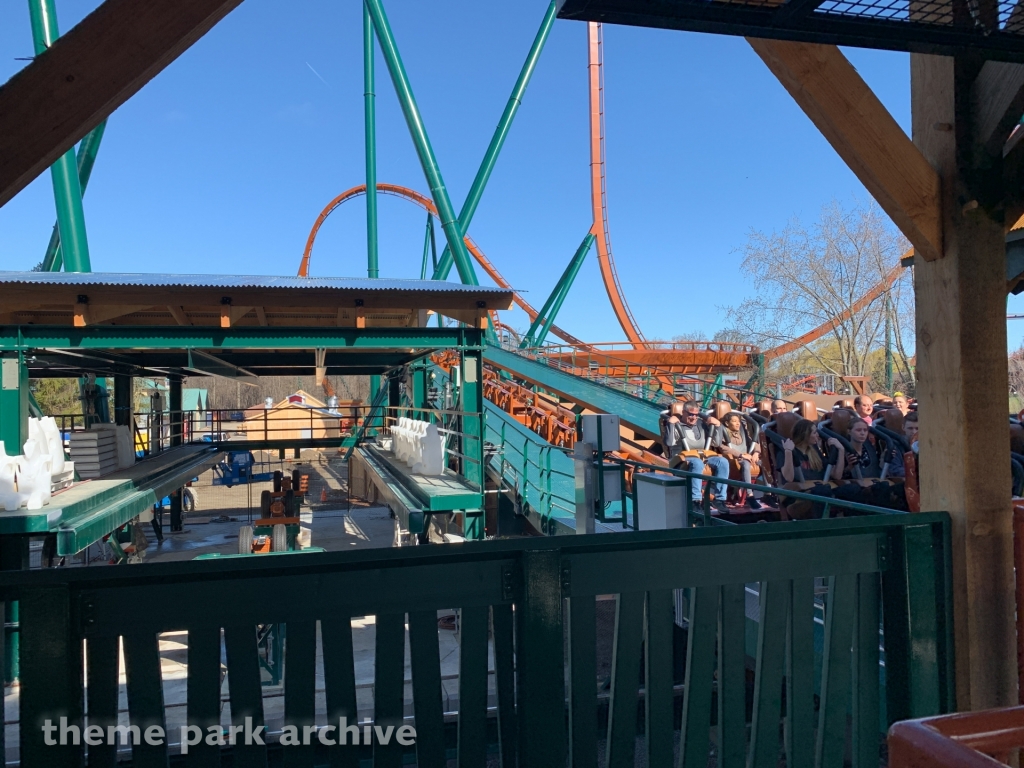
column 529, row 604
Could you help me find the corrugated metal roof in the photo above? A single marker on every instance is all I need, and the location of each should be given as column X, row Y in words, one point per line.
column 239, row 281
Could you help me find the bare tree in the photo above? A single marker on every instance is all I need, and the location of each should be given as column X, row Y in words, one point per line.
column 1016, row 365
column 808, row 278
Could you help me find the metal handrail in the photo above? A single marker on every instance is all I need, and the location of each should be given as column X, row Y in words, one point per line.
column 827, row 502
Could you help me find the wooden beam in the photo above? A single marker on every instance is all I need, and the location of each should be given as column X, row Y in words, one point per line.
column 861, row 130
column 998, row 103
column 87, row 74
column 178, row 313
column 261, row 315
column 961, row 386
column 230, row 314
column 100, row 313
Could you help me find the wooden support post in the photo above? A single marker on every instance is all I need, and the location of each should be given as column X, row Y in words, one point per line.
column 962, row 386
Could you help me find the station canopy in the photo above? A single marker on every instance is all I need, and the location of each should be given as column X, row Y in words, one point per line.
column 67, row 324
column 992, row 29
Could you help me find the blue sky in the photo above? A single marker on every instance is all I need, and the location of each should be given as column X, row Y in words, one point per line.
column 222, row 163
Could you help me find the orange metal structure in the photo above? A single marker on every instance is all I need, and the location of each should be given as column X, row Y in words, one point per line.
column 821, row 330
column 426, row 204
column 985, row 739
column 658, row 357
column 553, row 422
column 598, row 189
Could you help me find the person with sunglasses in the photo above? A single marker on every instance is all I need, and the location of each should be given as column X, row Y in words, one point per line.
column 685, row 436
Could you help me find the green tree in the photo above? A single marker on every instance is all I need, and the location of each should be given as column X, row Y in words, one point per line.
column 57, row 397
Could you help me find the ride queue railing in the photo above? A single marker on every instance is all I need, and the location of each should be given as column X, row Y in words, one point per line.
column 700, row 514
column 531, row 605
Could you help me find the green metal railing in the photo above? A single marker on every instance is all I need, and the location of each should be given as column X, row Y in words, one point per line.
column 700, row 514
column 531, row 605
column 540, row 475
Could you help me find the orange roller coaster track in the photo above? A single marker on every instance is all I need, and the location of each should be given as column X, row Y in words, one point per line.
column 426, row 204
column 598, row 188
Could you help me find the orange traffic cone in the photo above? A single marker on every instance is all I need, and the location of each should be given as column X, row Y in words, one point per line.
column 323, row 494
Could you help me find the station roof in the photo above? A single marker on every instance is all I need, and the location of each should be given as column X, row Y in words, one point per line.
column 98, row 298
column 236, row 327
column 990, row 30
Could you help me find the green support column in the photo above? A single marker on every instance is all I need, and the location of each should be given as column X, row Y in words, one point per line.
column 176, row 506
column 370, row 117
column 438, row 191
column 376, row 382
column 87, row 151
column 394, row 393
column 471, row 396
column 123, row 386
column 14, row 397
column 498, row 140
column 174, row 406
column 14, row 413
column 420, row 374
column 67, row 190
column 542, row 323
column 13, row 557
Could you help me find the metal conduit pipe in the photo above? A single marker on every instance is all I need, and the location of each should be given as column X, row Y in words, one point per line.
column 370, row 118
column 67, row 191
column 483, row 175
column 452, row 230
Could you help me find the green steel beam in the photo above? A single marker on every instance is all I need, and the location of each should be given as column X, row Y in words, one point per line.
column 635, row 413
column 370, row 118
column 67, row 190
column 87, row 151
column 113, row 338
column 471, row 400
column 429, row 247
column 542, row 323
column 14, row 405
column 438, row 191
column 498, row 140
column 577, row 262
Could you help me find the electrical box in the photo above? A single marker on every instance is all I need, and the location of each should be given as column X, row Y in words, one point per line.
column 660, row 502
column 611, row 477
column 607, row 424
